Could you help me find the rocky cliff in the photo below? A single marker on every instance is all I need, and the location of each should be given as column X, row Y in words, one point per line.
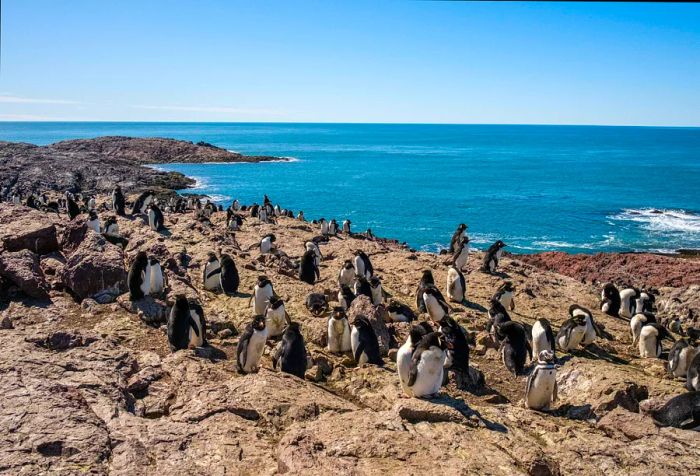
column 88, row 384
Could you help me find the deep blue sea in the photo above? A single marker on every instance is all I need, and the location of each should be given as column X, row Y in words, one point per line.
column 569, row 188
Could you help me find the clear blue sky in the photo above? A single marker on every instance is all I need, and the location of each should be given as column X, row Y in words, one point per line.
column 353, row 61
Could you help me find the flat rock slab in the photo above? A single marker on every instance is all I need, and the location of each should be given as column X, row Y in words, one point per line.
column 23, row 228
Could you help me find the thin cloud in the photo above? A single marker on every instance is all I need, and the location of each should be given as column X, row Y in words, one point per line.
column 211, row 109
column 12, row 99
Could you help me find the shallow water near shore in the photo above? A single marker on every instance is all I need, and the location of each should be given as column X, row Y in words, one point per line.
column 539, row 188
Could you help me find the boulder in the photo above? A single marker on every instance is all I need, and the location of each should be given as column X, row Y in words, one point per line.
column 377, row 316
column 95, row 266
column 23, row 228
column 22, row 268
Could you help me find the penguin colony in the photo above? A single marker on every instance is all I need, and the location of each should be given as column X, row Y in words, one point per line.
column 437, row 346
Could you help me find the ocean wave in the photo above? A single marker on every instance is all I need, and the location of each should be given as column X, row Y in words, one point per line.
column 661, row 220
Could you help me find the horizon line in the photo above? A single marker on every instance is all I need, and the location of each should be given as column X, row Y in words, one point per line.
column 351, row 123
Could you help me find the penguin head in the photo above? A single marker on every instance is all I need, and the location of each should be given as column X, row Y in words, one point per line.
column 92, row 215
column 259, row 323
column 435, row 339
column 545, row 357
column 499, row 244
column 211, row 256
column 374, row 281
column 153, row 261
column 262, row 281
column 579, row 320
column 462, row 227
column 507, row 286
column 427, row 277
column 427, row 327
column 576, row 310
column 141, row 258
column 693, row 334
column 339, row 313
column 347, row 264
column 293, row 329
column 275, row 302
column 181, row 302
column 361, row 322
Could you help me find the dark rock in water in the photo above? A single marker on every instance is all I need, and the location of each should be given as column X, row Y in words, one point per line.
column 22, row 268
column 22, row 228
column 95, row 266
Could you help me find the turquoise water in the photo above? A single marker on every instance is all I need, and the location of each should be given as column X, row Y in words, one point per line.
column 569, row 188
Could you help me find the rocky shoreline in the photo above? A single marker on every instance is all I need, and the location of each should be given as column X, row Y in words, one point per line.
column 89, row 385
column 94, row 166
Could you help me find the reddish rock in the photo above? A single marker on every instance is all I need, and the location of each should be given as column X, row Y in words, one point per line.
column 22, row 228
column 640, row 269
column 22, row 268
column 94, row 267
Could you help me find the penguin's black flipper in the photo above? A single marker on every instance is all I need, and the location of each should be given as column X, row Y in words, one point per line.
column 413, row 367
column 359, row 350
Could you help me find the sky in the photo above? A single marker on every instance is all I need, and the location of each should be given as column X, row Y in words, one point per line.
column 350, row 61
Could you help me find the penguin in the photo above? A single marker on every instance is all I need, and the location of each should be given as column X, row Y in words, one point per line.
column 365, row 346
column 262, row 215
column 497, row 315
column 680, row 357
column 515, row 346
column 362, row 286
column 229, row 279
column 236, row 205
column 645, row 302
column 211, row 276
column 262, row 292
column 313, row 246
column 425, row 280
column 628, row 300
column 251, row 346
column 332, row 227
column 317, row 304
column 91, row 203
column 141, row 203
column 692, row 376
column 456, row 285
column 155, row 217
column 457, row 237
column 346, row 227
column 300, row 216
column 377, row 292
column 137, row 277
column 504, row 294
column 324, row 226
column 455, row 337
column 650, row 340
column 339, row 332
column 345, row 296
column 592, row 331
column 435, row 304
column 186, row 325
column 363, row 266
column 157, row 280
column 93, row 221
column 308, row 271
column 682, row 411
column 118, row 201
column 426, row 371
column 543, row 338
column 291, row 352
column 234, row 222
column 110, row 226
column 72, row 207
column 461, row 254
column 638, row 321
column 610, row 300
column 276, row 317
column 405, row 354
column 492, row 256
column 267, row 243
column 346, row 276
column 541, row 388
column 571, row 333
column 399, row 312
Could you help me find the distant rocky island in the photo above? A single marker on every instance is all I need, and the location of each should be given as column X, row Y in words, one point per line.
column 97, row 165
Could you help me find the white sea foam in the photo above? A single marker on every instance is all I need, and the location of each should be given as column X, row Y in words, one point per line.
column 659, row 220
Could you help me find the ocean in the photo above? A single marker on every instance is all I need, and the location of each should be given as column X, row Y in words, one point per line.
column 578, row 189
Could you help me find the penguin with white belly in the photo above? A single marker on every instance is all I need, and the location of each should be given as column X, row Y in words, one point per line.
column 251, row 346
column 515, row 346
column 425, row 280
column 461, row 254
column 592, row 331
column 155, row 217
column 186, row 326
column 650, row 338
column 345, row 297
column 680, row 357
column 276, row 317
column 363, row 265
column 141, row 204
column 139, row 279
column 211, row 275
column 504, row 294
column 456, row 285
column 692, row 376
column 363, row 339
column 346, row 276
column 262, row 292
column 638, row 321
column 157, row 278
column 571, row 333
column 610, row 300
column 628, row 302
column 541, row 389
column 339, row 339
column 435, row 303
column 399, row 312
column 313, row 246
column 457, row 236
column 346, row 227
column 492, row 257
column 425, row 374
column 543, row 338
column 375, row 285
column 267, row 243
column 405, row 354
column 93, row 221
